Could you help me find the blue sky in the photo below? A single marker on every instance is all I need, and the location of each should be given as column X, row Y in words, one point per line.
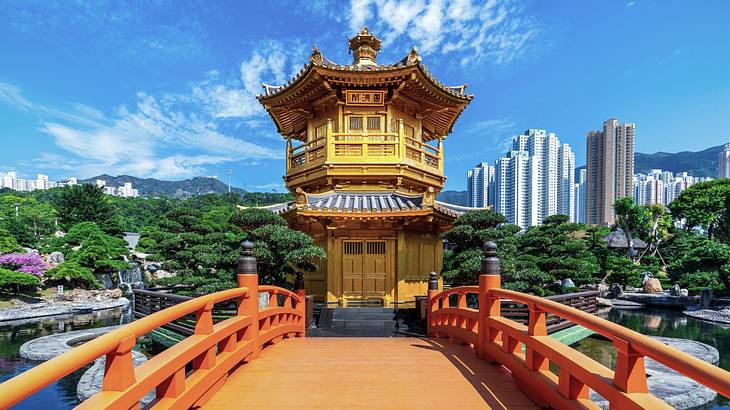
column 166, row 89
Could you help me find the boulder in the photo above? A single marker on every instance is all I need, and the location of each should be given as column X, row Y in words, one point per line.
column 652, row 286
column 152, row 267
column 602, row 289
column 615, row 291
column 567, row 283
column 56, row 257
column 675, row 290
column 684, row 292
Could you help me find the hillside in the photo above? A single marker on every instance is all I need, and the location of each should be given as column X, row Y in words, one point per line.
column 453, row 197
column 699, row 164
column 176, row 189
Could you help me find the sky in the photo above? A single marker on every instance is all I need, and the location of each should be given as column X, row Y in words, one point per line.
column 166, row 89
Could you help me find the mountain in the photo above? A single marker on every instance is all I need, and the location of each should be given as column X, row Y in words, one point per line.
column 176, row 189
column 453, row 197
column 699, row 164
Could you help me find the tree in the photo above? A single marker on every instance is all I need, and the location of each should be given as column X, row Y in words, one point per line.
column 697, row 262
column 629, row 217
column 86, row 203
column 704, row 205
column 8, row 243
column 17, row 280
column 74, row 274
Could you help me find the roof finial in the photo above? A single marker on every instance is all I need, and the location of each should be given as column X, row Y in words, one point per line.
column 316, row 57
column 364, row 47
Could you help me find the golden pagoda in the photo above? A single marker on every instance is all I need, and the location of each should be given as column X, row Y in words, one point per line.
column 365, row 160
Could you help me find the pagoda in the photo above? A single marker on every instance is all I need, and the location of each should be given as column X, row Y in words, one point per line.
column 365, row 160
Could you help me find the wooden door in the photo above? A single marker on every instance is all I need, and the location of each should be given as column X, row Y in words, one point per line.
column 374, row 279
column 352, row 269
column 364, row 270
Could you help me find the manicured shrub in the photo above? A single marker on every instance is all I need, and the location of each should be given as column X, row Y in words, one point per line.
column 74, row 274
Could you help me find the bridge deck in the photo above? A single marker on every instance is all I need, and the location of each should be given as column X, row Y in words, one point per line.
column 369, row 373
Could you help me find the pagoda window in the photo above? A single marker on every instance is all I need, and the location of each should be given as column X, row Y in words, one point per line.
column 373, row 123
column 320, row 131
column 409, row 131
column 355, row 123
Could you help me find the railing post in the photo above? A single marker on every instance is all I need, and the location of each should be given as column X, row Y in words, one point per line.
column 431, row 304
column 119, row 367
column 630, row 374
column 246, row 276
column 301, row 306
column 329, row 143
column 489, row 305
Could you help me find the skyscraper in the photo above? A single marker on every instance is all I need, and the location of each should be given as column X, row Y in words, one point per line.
column 480, row 186
column 609, row 169
column 723, row 163
column 580, row 197
column 534, row 180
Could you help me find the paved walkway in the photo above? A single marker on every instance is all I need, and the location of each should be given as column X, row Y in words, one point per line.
column 339, row 373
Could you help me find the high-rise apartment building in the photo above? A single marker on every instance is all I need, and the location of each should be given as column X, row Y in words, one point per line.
column 609, row 169
column 662, row 187
column 480, row 186
column 723, row 163
column 529, row 183
column 580, row 197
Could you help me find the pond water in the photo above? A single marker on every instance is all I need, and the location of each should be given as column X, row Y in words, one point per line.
column 61, row 394
column 662, row 322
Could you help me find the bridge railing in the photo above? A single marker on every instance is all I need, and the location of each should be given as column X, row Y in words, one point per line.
column 188, row 373
column 501, row 340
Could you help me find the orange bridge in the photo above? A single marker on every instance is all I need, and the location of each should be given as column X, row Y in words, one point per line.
column 473, row 358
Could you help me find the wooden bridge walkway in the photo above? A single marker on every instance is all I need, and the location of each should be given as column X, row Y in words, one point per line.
column 260, row 357
column 387, row 373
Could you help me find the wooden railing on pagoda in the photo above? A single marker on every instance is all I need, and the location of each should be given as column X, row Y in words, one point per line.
column 190, row 372
column 501, row 340
column 365, row 147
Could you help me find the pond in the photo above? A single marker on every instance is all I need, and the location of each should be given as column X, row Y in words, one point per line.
column 61, row 394
column 667, row 323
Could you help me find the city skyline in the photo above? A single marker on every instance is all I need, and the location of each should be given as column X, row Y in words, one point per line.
column 178, row 99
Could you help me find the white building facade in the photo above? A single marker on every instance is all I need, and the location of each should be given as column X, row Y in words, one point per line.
column 11, row 180
column 662, row 187
column 529, row 183
column 723, row 163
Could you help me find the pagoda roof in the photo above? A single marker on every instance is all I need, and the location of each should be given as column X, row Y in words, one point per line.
column 289, row 104
column 376, row 203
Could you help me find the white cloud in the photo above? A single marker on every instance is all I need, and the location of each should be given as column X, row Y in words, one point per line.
column 498, row 31
column 217, row 120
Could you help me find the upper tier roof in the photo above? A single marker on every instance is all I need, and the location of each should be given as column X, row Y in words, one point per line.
column 289, row 104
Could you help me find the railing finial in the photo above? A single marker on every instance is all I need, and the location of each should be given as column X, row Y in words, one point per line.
column 247, row 260
column 433, row 282
column 490, row 262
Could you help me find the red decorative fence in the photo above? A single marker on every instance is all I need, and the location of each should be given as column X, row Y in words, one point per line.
column 190, row 372
column 501, row 340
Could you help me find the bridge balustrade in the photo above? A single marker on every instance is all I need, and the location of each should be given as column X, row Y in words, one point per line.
column 501, row 340
column 190, row 372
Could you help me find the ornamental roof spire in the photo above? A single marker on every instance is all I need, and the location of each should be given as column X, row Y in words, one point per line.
column 364, row 47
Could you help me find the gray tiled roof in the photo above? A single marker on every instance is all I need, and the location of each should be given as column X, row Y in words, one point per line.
column 363, row 202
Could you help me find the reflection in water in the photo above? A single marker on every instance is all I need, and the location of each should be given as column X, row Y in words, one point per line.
column 661, row 322
column 62, row 394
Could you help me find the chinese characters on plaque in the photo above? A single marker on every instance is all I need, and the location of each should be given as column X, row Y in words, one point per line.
column 364, row 97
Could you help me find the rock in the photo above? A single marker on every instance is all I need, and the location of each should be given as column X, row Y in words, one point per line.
column 615, row 291
column 602, row 289
column 160, row 273
column 675, row 290
column 567, row 283
column 56, row 257
column 59, row 234
column 683, row 292
column 706, row 295
column 152, row 267
column 653, row 286
column 31, row 250
column 645, row 276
